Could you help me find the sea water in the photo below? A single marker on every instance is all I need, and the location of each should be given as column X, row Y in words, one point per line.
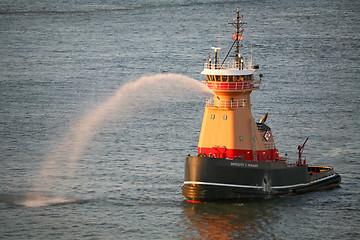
column 85, row 155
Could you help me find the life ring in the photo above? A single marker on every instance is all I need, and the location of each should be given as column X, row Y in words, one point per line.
column 201, row 155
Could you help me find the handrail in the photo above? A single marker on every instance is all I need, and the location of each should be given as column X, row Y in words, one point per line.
column 245, row 85
column 225, row 103
column 228, row 66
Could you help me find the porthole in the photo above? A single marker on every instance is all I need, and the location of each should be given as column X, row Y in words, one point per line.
column 212, row 116
column 225, row 117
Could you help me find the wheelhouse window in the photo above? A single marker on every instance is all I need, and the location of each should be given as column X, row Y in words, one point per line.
column 224, row 78
column 249, row 77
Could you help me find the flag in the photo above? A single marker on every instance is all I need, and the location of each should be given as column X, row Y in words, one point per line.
column 239, row 38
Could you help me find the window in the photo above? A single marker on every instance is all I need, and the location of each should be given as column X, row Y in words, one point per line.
column 248, row 77
column 212, row 116
column 225, row 117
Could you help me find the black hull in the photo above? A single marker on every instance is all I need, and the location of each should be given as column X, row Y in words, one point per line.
column 216, row 179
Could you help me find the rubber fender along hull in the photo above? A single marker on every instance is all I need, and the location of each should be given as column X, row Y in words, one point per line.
column 216, row 179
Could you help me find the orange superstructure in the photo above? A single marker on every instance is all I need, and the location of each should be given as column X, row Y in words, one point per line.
column 228, row 129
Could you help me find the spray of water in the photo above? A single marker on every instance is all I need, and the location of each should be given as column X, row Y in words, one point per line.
column 71, row 147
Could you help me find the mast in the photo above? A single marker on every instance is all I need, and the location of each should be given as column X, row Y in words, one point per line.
column 237, row 34
column 238, row 37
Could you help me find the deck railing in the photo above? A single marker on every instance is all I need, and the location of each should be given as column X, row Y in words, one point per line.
column 246, row 85
column 225, row 103
column 228, row 66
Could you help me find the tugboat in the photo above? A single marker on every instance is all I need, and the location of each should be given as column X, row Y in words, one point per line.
column 237, row 158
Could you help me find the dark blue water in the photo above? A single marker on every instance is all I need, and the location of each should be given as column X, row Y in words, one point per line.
column 100, row 103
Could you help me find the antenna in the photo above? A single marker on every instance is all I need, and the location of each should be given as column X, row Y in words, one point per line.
column 219, row 41
column 250, row 62
column 219, row 37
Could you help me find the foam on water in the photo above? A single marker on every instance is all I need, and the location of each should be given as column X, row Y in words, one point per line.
column 38, row 200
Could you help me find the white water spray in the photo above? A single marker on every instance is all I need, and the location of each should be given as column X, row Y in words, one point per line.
column 71, row 147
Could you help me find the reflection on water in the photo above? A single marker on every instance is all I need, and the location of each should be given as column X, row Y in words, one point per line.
column 230, row 221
